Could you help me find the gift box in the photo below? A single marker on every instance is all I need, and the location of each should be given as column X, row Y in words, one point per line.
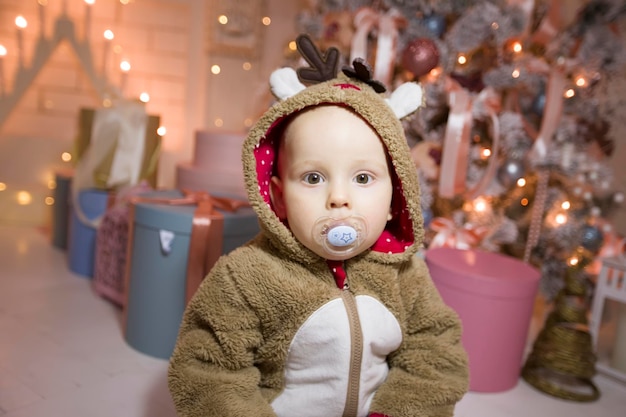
column 61, row 208
column 166, row 261
column 216, row 165
column 115, row 129
column 82, row 232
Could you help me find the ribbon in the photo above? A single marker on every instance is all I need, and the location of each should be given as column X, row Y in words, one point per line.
column 551, row 114
column 365, row 20
column 207, row 230
column 613, row 245
column 487, row 104
column 456, row 141
column 559, row 16
column 450, row 236
column 463, row 108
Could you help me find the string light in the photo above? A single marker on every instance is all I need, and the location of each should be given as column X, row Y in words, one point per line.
column 215, row 69
column 480, row 205
column 3, row 186
column 565, row 205
column 462, row 59
column 266, row 21
column 66, row 156
column 161, row 131
column 569, row 93
column 219, row 122
column 144, row 97
column 247, row 66
column 560, row 219
column 21, row 22
column 436, row 72
column 24, row 198
column 222, row 19
column 521, row 182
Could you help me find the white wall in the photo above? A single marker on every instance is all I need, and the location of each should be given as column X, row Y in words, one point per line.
column 167, row 43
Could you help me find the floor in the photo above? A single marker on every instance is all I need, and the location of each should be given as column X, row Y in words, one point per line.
column 63, row 353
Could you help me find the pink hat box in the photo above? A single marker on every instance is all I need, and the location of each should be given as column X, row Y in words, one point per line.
column 494, row 296
column 216, row 166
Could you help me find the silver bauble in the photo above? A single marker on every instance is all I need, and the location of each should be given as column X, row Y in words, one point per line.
column 511, row 171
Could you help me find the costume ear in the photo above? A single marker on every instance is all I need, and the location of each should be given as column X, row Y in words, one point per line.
column 284, row 83
column 405, row 99
column 277, row 198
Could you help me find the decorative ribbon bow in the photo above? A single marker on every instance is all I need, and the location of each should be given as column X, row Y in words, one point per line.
column 387, row 24
column 449, row 235
column 207, row 228
column 463, row 108
column 613, row 245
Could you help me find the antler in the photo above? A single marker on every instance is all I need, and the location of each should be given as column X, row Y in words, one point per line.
column 323, row 68
column 362, row 71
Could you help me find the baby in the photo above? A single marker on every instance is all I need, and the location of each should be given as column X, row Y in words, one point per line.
column 328, row 312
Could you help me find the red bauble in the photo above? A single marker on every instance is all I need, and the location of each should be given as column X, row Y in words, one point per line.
column 420, row 56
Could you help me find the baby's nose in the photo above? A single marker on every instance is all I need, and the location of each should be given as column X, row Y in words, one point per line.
column 338, row 197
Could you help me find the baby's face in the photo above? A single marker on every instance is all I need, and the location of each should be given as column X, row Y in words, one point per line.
column 332, row 165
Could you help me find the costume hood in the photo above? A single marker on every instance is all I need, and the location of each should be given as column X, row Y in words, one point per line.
column 353, row 89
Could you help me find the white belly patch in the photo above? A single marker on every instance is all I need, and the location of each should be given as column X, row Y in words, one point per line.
column 316, row 373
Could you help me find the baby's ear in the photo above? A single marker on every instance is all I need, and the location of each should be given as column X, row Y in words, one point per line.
column 276, row 196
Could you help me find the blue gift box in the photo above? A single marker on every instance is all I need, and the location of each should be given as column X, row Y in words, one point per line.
column 82, row 236
column 157, row 267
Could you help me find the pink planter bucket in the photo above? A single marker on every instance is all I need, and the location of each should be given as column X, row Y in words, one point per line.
column 494, row 296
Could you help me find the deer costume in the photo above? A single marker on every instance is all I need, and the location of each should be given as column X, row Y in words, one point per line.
column 277, row 330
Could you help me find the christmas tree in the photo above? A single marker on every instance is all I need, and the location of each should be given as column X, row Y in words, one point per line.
column 512, row 142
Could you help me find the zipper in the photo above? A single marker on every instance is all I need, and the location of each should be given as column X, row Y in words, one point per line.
column 356, row 353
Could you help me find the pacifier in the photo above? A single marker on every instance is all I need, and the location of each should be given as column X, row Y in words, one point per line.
column 340, row 237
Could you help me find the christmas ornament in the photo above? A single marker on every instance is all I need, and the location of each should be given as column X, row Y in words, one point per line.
column 420, row 56
column 592, row 238
column 427, row 214
column 538, row 104
column 435, row 23
column 511, row 171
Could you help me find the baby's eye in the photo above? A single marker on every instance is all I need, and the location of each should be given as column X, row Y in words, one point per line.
column 363, row 178
column 313, row 178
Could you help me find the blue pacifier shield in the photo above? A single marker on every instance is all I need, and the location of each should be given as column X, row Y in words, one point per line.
column 342, row 235
column 340, row 238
